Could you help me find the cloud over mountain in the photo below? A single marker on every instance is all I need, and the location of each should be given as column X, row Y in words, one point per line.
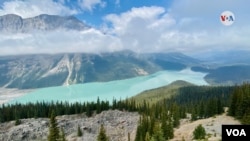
column 31, row 8
column 91, row 40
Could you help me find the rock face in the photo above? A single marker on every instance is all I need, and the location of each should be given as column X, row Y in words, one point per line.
column 117, row 125
column 15, row 24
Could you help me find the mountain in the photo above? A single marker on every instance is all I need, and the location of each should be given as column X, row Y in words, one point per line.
column 225, row 75
column 43, row 70
column 176, row 58
column 225, row 57
column 226, row 67
column 229, row 75
column 153, row 96
column 12, row 23
column 46, row 70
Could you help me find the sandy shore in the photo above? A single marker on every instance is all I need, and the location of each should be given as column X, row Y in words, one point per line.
column 7, row 94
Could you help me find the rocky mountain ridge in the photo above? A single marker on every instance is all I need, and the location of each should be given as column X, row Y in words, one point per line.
column 12, row 23
column 43, row 70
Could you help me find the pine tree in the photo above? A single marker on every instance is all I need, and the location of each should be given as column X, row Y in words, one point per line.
column 193, row 115
column 219, row 107
column 164, row 126
column 170, row 129
column 79, row 131
column 18, row 121
column 199, row 132
column 147, row 137
column 157, row 134
column 202, row 110
column 98, row 106
column 88, row 110
column 63, row 138
column 138, row 132
column 246, row 117
column 128, row 136
column 176, row 115
column 102, row 134
column 233, row 103
column 53, row 129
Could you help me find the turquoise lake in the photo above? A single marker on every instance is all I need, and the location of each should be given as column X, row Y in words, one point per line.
column 120, row 89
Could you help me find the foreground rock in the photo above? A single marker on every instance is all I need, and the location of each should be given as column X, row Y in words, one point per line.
column 117, row 124
column 212, row 125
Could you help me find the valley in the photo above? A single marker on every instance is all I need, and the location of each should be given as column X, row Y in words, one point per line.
column 49, row 70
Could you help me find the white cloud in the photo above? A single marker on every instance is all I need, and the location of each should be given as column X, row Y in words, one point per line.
column 144, row 13
column 140, row 28
column 92, row 41
column 188, row 26
column 90, row 4
column 205, row 14
column 31, row 8
column 198, row 16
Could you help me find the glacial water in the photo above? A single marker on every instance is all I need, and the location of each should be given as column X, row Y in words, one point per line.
column 119, row 89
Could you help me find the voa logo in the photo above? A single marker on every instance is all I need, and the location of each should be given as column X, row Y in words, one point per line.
column 227, row 18
column 236, row 132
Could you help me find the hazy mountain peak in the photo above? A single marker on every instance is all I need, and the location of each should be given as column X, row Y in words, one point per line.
column 11, row 15
column 12, row 23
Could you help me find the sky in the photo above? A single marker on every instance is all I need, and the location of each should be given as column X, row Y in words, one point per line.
column 189, row 26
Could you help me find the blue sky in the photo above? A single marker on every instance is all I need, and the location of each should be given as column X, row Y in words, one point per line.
column 189, row 26
column 95, row 15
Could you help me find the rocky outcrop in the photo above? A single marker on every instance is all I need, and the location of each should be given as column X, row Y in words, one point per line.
column 117, row 124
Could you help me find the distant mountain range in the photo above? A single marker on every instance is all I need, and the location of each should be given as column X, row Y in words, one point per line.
column 226, row 57
column 44, row 70
column 35, row 71
column 227, row 67
column 12, row 23
column 226, row 75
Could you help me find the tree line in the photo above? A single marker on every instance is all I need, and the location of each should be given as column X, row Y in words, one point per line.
column 240, row 103
column 157, row 123
column 202, row 101
column 17, row 111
